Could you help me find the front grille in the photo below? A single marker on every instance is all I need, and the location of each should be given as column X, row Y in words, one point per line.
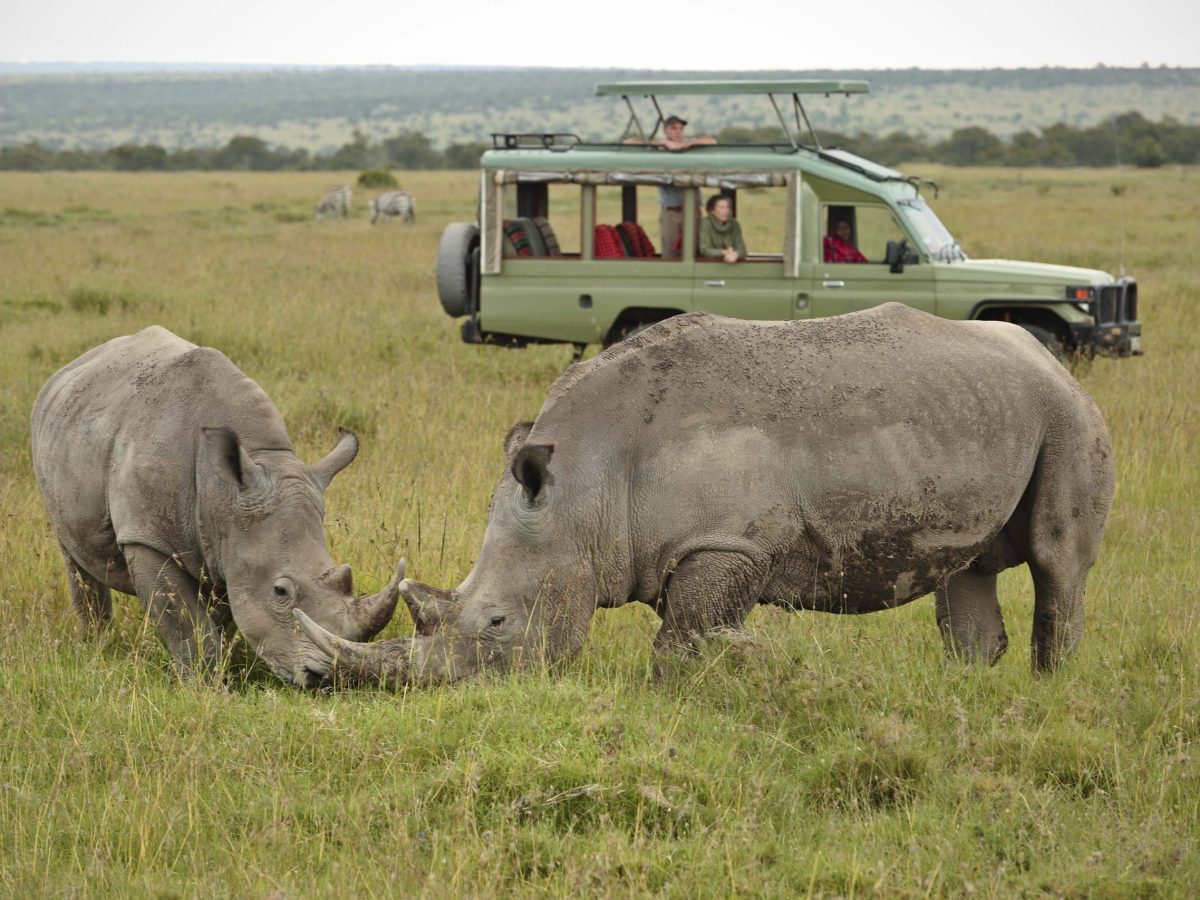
column 1106, row 306
column 1117, row 303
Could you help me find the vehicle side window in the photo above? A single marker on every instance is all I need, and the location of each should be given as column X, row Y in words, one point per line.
column 859, row 233
column 877, row 226
column 564, row 212
column 762, row 214
column 540, row 221
column 627, row 223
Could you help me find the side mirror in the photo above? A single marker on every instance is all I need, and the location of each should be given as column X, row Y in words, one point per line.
column 897, row 255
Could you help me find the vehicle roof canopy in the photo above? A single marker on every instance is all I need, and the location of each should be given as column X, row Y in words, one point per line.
column 724, row 166
column 726, row 88
column 566, row 158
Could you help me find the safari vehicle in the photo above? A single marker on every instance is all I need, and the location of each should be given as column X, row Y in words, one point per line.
column 564, row 249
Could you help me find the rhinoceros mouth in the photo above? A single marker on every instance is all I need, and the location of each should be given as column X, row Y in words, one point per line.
column 312, row 680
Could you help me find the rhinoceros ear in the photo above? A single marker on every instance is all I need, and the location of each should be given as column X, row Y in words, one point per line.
column 230, row 461
column 530, row 468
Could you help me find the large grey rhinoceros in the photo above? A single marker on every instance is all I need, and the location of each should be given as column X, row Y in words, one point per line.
column 169, row 474
column 848, row 464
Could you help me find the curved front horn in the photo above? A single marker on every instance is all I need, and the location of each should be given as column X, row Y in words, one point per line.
column 385, row 663
column 340, row 457
column 370, row 614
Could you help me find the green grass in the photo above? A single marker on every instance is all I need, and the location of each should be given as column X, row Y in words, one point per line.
column 815, row 754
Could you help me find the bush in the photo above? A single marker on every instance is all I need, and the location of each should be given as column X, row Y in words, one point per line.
column 377, row 178
column 1148, row 154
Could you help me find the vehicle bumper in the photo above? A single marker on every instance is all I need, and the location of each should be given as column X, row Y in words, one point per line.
column 1110, row 338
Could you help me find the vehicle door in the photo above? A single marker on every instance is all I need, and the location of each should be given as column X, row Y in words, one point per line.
column 842, row 286
column 756, row 287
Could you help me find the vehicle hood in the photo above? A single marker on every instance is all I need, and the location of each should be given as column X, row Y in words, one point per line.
column 1017, row 270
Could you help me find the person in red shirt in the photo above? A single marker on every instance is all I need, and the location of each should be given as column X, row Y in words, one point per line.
column 839, row 248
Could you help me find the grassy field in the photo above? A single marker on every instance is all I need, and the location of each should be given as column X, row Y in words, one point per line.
column 818, row 755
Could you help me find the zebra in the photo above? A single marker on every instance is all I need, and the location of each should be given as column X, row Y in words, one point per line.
column 394, row 203
column 335, row 203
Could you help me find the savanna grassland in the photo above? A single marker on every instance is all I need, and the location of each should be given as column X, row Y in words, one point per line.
column 815, row 755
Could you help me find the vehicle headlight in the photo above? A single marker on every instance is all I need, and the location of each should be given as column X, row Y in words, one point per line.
column 1081, row 295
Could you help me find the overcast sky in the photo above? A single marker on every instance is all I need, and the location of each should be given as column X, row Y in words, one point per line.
column 705, row 34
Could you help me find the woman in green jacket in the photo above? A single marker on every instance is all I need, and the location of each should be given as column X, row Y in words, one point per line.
column 720, row 233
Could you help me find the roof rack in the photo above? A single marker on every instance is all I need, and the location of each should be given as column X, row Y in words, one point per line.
column 550, row 140
column 770, row 87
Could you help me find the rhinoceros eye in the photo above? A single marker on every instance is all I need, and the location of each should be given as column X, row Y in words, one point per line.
column 280, row 590
column 496, row 621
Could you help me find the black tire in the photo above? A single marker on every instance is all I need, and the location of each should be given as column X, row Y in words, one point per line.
column 1049, row 340
column 454, row 287
column 628, row 330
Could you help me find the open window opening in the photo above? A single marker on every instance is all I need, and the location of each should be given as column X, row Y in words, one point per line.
column 627, row 223
column 859, row 233
column 762, row 214
column 541, row 221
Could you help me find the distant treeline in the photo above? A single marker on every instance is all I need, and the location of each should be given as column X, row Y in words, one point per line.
column 148, row 105
column 1127, row 138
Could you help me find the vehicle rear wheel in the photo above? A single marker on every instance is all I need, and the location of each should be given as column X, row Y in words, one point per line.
column 1047, row 339
column 454, row 274
column 627, row 330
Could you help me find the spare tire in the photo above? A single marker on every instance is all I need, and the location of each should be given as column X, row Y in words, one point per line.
column 454, row 269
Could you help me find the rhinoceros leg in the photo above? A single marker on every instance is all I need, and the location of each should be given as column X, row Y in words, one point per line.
column 1057, row 616
column 1072, row 493
column 92, row 599
column 708, row 590
column 968, row 615
column 170, row 597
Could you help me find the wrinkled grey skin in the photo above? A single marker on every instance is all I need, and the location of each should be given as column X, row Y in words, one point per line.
column 849, row 465
column 169, row 474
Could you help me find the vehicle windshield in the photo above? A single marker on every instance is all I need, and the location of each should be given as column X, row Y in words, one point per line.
column 939, row 242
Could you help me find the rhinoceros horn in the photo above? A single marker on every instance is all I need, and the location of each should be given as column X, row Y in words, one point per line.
column 428, row 605
column 371, row 613
column 385, row 663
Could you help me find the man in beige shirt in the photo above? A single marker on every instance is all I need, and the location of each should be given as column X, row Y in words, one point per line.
column 670, row 198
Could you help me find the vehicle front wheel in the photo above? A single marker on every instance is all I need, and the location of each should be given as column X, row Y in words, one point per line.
column 1049, row 340
column 454, row 270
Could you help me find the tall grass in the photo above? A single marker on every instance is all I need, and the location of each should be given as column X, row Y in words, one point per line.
column 815, row 754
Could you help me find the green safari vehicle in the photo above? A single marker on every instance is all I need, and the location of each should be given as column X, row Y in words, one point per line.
column 567, row 246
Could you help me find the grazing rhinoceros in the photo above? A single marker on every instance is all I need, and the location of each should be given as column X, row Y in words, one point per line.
column 169, row 474
column 848, row 464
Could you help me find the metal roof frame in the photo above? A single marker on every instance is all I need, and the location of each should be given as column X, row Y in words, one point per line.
column 726, row 88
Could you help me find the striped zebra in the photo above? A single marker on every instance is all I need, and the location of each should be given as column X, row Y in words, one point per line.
column 335, row 203
column 394, row 203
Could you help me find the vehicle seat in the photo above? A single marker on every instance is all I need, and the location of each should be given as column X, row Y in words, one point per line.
column 523, row 239
column 627, row 242
column 549, row 238
column 606, row 244
column 636, row 240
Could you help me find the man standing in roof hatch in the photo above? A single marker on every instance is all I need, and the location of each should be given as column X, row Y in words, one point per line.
column 670, row 198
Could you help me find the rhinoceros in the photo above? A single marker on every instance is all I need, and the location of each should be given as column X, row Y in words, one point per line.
column 848, row 465
column 169, row 474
